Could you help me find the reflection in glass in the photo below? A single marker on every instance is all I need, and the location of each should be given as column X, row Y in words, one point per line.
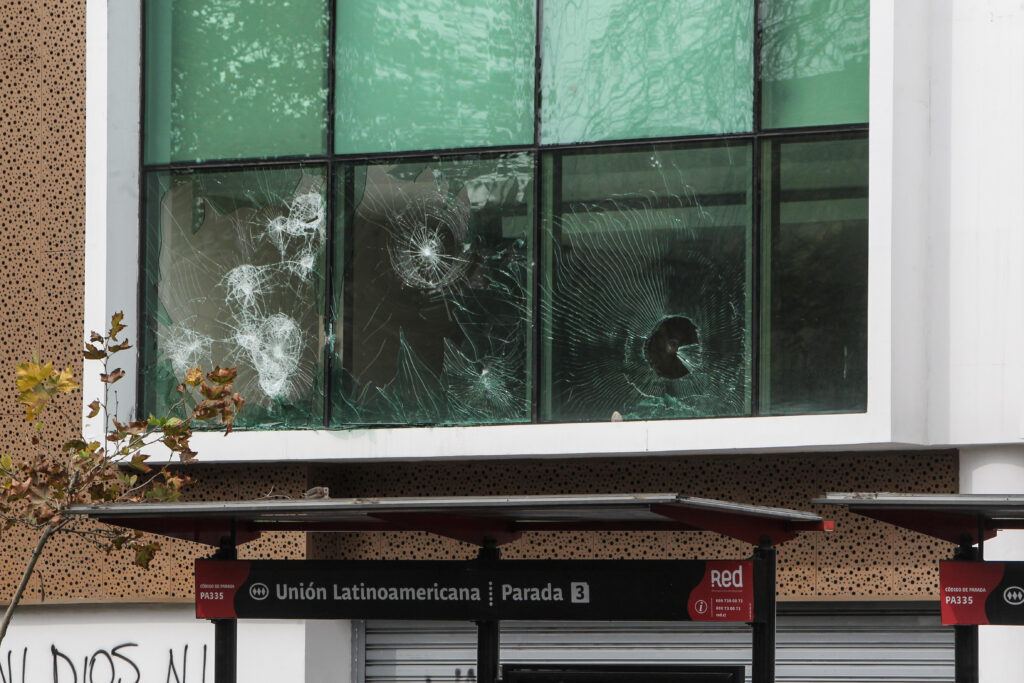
column 814, row 347
column 645, row 293
column 434, row 74
column 234, row 276
column 622, row 69
column 433, row 327
column 227, row 79
column 814, row 62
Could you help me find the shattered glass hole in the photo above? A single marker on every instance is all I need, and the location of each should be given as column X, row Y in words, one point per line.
column 662, row 347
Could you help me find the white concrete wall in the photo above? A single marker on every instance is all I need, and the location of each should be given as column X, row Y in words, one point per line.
column 997, row 469
column 161, row 643
column 976, row 268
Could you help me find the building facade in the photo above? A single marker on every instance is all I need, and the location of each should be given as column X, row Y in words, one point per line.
column 738, row 250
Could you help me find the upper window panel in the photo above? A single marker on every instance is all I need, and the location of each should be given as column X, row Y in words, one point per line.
column 221, row 75
column 434, row 74
column 623, row 69
column 814, row 62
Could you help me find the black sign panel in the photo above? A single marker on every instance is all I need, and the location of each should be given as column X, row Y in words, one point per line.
column 719, row 590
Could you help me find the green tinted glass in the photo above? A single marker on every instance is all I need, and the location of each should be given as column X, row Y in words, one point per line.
column 815, row 279
column 434, row 74
column 234, row 270
column 231, row 79
column 434, row 325
column 621, row 69
column 814, row 62
column 645, row 291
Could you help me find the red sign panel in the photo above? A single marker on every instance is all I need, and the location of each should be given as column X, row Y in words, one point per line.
column 979, row 593
column 693, row 590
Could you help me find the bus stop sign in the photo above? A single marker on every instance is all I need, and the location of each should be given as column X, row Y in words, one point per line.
column 979, row 593
column 683, row 590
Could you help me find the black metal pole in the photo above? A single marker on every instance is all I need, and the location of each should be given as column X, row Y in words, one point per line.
column 225, row 650
column 965, row 638
column 763, row 664
column 488, row 631
column 225, row 631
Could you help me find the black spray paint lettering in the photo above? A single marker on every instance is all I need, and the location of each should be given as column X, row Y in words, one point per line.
column 172, row 670
column 9, row 676
column 108, row 666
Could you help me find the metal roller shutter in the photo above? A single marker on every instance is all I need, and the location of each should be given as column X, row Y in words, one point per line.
column 816, row 643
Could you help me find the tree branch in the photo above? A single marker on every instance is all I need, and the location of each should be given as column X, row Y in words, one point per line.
column 48, row 531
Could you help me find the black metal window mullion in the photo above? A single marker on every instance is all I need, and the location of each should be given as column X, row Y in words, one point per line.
column 145, row 350
column 329, row 265
column 755, row 225
column 536, row 331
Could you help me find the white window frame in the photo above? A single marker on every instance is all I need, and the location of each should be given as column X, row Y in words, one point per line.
column 896, row 408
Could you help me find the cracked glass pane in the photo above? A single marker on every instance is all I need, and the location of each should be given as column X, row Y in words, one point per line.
column 622, row 69
column 234, row 270
column 645, row 290
column 434, row 74
column 814, row 62
column 432, row 292
column 815, row 280
column 221, row 73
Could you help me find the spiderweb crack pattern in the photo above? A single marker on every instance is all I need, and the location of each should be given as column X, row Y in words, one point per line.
column 623, row 269
column 442, row 332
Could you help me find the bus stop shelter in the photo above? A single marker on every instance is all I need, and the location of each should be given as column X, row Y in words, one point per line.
column 487, row 589
column 972, row 591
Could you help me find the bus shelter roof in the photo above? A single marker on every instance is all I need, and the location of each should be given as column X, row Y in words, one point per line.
column 951, row 516
column 474, row 519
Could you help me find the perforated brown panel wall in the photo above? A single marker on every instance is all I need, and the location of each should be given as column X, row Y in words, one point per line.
column 42, row 201
column 862, row 559
column 42, row 204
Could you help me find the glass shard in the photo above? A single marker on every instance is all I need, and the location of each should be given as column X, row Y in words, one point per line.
column 623, row 69
column 220, row 74
column 235, row 276
column 814, row 345
column 645, row 292
column 814, row 62
column 433, row 299
column 434, row 74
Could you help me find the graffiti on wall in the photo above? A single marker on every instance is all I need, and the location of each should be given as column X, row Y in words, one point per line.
column 122, row 663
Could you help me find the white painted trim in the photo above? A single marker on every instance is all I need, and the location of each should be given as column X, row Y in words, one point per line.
column 112, row 186
column 722, row 435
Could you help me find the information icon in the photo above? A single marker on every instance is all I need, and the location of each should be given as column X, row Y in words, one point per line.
column 701, row 607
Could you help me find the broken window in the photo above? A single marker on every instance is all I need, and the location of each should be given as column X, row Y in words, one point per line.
column 646, row 297
column 234, row 262
column 428, row 212
column 432, row 283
